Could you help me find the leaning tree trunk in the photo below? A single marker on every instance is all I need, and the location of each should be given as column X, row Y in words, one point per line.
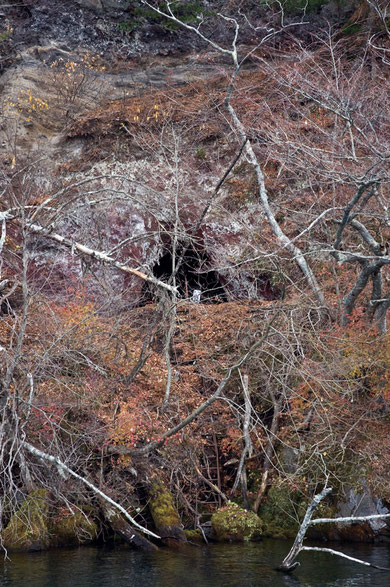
column 164, row 514
column 125, row 530
column 289, row 563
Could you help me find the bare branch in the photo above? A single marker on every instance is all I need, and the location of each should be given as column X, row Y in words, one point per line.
column 338, row 553
column 349, row 520
column 35, row 228
column 191, row 417
column 64, row 468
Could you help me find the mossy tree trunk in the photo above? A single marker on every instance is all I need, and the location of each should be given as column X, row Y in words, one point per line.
column 164, row 513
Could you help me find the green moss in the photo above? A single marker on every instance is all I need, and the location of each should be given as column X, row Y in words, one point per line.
column 28, row 527
column 194, row 536
column 201, row 153
column 282, row 511
column 234, row 524
column 5, row 36
column 162, row 507
column 73, row 530
column 164, row 513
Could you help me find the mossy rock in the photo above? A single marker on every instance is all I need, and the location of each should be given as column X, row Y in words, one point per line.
column 73, row 530
column 234, row 524
column 28, row 527
column 194, row 536
column 164, row 513
column 281, row 512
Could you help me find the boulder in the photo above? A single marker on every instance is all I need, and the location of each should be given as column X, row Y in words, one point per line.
column 354, row 503
column 28, row 527
column 231, row 523
column 73, row 529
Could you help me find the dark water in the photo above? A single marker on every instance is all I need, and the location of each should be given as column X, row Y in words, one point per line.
column 213, row 566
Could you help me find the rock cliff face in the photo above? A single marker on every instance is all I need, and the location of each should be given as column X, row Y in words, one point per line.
column 102, row 5
column 70, row 63
column 108, row 27
column 123, row 127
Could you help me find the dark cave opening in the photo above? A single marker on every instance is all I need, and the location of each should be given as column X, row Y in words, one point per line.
column 194, row 276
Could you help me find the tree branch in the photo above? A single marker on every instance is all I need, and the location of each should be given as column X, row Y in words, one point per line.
column 289, row 563
column 350, row 558
column 64, row 468
column 191, row 417
column 67, row 242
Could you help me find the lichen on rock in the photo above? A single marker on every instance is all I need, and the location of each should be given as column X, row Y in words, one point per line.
column 231, row 523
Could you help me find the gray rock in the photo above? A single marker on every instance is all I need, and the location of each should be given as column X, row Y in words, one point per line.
column 364, row 504
column 93, row 4
column 100, row 5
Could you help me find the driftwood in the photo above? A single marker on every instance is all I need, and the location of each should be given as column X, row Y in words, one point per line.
column 289, row 563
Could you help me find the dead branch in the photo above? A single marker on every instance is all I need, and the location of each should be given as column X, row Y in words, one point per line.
column 199, row 410
column 350, row 558
column 210, row 484
column 65, row 469
column 67, row 242
column 289, row 563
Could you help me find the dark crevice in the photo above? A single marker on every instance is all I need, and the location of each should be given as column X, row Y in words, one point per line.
column 194, row 275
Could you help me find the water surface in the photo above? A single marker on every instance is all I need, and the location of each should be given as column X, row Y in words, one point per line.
column 209, row 566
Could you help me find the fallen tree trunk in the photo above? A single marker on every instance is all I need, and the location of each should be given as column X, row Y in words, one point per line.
column 125, row 530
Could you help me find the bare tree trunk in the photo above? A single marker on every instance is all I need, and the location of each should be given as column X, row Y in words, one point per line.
column 289, row 563
column 248, row 448
column 269, row 449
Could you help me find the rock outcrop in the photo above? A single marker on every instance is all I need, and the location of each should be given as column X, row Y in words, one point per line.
column 234, row 524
